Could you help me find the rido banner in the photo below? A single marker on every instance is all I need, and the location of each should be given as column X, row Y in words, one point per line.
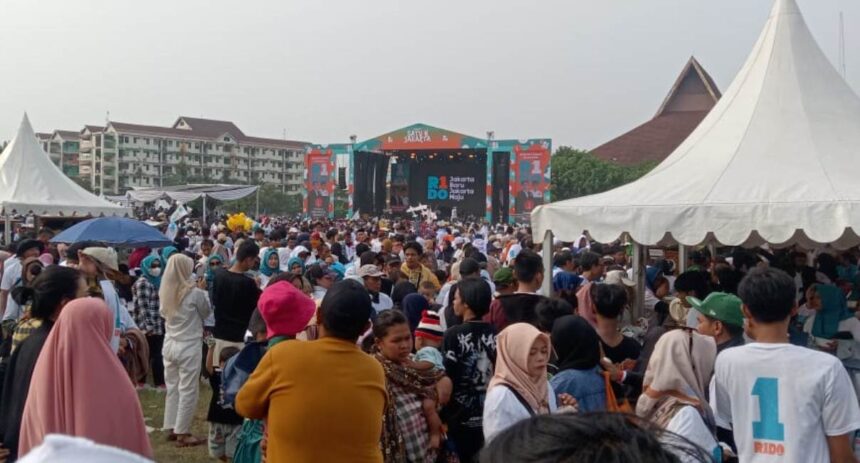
column 531, row 178
column 319, row 182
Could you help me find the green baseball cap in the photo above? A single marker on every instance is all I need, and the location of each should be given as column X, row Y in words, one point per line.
column 504, row 276
column 720, row 306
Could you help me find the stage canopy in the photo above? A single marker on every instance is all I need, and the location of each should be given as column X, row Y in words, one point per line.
column 31, row 183
column 187, row 193
column 773, row 162
column 420, row 137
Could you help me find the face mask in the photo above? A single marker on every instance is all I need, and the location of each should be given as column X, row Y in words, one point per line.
column 156, row 272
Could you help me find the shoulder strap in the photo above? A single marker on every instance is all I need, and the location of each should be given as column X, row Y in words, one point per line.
column 521, row 399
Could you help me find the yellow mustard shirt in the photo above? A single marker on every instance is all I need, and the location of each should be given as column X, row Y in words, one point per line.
column 323, row 401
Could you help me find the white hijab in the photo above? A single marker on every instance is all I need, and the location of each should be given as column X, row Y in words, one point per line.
column 175, row 284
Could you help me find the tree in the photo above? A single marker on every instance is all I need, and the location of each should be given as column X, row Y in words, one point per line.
column 578, row 173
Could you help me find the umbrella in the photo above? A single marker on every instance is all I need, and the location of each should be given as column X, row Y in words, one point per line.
column 120, row 232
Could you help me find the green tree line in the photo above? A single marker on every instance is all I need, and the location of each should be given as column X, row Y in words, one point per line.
column 578, row 173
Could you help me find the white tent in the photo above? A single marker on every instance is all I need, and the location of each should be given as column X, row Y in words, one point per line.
column 31, row 184
column 773, row 162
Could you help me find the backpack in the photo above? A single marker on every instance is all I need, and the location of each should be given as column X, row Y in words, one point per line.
column 237, row 370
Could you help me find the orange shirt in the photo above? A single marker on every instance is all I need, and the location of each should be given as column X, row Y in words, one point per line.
column 323, row 400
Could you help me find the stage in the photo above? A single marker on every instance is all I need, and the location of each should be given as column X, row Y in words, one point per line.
column 496, row 180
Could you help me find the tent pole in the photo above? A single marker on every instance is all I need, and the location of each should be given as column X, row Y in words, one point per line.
column 682, row 258
column 257, row 216
column 204, row 209
column 546, row 286
column 639, row 277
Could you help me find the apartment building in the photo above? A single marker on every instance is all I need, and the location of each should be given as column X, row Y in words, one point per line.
column 119, row 156
column 63, row 147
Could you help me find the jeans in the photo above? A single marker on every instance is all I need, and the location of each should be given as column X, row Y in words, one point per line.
column 181, row 373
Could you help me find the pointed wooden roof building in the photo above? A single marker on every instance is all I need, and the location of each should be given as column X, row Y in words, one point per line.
column 689, row 101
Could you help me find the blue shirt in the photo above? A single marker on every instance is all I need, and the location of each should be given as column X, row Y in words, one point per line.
column 586, row 386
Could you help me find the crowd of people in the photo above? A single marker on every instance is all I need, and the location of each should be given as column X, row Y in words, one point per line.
column 410, row 341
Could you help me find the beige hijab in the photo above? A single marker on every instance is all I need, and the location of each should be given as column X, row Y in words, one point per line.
column 513, row 346
column 175, row 284
column 679, row 370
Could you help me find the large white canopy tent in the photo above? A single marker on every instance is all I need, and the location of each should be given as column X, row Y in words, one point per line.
column 772, row 162
column 31, row 184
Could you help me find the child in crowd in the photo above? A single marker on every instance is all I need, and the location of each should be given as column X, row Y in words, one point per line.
column 428, row 341
column 224, row 423
column 428, row 290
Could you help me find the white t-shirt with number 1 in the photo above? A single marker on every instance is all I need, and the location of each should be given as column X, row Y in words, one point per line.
column 783, row 401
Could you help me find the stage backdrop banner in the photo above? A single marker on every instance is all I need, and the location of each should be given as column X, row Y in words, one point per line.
column 530, row 174
column 320, row 177
column 446, row 184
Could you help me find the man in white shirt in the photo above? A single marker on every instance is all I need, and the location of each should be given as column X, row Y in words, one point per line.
column 783, row 402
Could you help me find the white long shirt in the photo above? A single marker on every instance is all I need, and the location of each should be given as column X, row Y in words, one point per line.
column 502, row 410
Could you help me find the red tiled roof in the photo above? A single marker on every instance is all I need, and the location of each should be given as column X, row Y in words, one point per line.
column 691, row 98
column 651, row 141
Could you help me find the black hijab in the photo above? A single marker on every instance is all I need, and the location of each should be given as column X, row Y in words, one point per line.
column 576, row 343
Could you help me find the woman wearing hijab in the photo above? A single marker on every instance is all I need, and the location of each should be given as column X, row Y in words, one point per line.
column 269, row 266
column 79, row 388
column 519, row 388
column 146, row 306
column 830, row 316
column 52, row 290
column 675, row 382
column 296, row 266
column 184, row 308
column 578, row 348
column 413, row 306
column 167, row 252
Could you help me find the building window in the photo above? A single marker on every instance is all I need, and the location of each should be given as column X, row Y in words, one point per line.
column 125, row 139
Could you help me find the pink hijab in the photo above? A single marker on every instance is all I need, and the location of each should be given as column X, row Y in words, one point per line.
column 80, row 388
column 512, row 357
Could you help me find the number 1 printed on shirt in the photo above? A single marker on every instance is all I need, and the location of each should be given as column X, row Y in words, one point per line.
column 768, row 427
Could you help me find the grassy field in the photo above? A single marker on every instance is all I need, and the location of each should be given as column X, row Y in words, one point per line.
column 166, row 452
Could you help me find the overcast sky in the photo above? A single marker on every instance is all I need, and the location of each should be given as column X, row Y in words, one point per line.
column 578, row 71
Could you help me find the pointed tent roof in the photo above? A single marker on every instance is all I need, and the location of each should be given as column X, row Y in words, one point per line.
column 420, row 137
column 692, row 96
column 770, row 163
column 30, row 182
